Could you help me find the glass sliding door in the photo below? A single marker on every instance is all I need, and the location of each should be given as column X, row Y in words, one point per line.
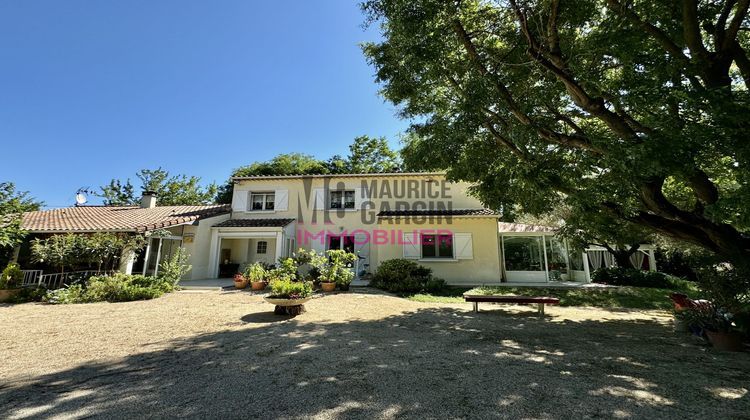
column 160, row 250
column 557, row 259
column 523, row 257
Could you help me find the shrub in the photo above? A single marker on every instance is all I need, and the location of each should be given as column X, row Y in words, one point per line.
column 287, row 270
column 435, row 285
column 11, row 277
column 288, row 289
column 71, row 294
column 618, row 276
column 726, row 286
column 401, row 275
column 256, row 272
column 29, row 294
column 173, row 269
column 115, row 288
column 337, row 268
column 124, row 288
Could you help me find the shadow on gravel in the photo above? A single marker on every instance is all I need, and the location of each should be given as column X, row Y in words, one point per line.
column 436, row 362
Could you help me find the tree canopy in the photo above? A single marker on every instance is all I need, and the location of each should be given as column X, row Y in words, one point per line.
column 171, row 190
column 633, row 113
column 366, row 155
column 13, row 204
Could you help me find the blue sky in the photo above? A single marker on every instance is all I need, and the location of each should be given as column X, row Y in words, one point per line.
column 94, row 90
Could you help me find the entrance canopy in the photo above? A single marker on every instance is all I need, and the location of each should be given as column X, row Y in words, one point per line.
column 236, row 243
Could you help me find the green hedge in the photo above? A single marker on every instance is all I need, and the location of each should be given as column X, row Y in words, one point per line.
column 405, row 276
column 115, row 288
column 617, row 276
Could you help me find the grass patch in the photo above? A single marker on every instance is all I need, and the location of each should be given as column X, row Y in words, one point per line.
column 616, row 297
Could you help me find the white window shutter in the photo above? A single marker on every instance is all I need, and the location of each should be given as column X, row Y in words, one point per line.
column 239, row 199
column 281, row 200
column 319, row 202
column 411, row 246
column 463, row 246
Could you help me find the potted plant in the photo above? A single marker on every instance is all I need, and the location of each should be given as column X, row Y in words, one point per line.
column 289, row 296
column 10, row 282
column 721, row 331
column 327, row 284
column 240, row 281
column 257, row 275
column 344, row 278
column 716, row 324
column 339, row 268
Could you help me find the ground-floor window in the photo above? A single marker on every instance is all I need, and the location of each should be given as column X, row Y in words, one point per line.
column 437, row 246
column 345, row 242
column 262, row 247
column 523, row 253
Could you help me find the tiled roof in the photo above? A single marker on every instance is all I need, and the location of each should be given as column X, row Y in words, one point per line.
column 116, row 218
column 437, row 212
column 374, row 174
column 255, row 223
column 504, row 227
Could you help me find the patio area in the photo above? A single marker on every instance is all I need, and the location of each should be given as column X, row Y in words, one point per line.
column 362, row 354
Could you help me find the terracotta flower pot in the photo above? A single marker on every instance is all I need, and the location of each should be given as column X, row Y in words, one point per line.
column 725, row 341
column 328, row 287
column 240, row 282
column 257, row 285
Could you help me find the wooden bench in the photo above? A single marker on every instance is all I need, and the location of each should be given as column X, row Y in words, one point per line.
column 539, row 300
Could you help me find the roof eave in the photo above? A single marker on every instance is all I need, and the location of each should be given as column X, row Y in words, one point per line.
column 384, row 174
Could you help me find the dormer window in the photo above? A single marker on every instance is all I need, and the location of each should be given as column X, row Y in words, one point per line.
column 341, row 199
column 260, row 201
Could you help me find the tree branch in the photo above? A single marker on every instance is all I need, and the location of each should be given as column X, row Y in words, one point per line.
column 730, row 34
column 652, row 30
column 574, row 141
column 593, row 105
column 692, row 30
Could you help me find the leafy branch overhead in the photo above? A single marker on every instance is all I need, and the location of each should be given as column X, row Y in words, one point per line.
column 631, row 113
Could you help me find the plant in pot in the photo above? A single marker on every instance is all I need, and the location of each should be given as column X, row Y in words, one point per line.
column 722, row 332
column 257, row 275
column 10, row 282
column 716, row 324
column 288, row 295
column 240, row 281
column 344, row 262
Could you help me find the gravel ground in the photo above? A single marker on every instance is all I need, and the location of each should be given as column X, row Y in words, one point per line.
column 356, row 355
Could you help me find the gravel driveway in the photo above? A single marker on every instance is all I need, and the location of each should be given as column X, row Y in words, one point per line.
column 360, row 354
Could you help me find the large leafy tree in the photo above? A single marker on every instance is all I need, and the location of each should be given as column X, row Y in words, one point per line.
column 171, row 190
column 366, row 155
column 371, row 155
column 13, row 204
column 283, row 164
column 631, row 112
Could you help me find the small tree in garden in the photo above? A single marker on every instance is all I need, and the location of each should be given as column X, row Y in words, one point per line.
column 58, row 250
column 175, row 267
column 102, row 250
column 13, row 204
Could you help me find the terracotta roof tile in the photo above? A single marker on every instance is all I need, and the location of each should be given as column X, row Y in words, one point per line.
column 116, row 218
column 437, row 212
column 255, row 223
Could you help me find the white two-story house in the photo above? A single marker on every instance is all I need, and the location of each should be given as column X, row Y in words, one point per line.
column 419, row 216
